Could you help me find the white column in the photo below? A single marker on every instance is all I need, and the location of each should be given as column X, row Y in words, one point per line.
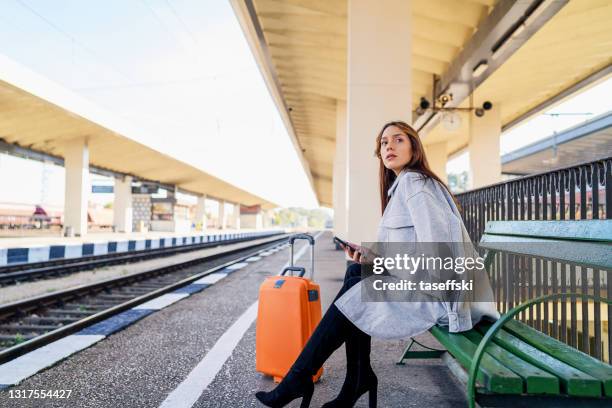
column 237, row 216
column 339, row 171
column 222, row 219
column 379, row 90
column 483, row 148
column 76, row 164
column 122, row 205
column 437, row 158
column 267, row 218
column 200, row 213
column 252, row 218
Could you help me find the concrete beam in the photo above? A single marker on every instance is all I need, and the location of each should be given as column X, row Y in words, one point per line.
column 509, row 25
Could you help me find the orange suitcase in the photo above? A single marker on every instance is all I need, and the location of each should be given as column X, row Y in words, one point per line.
column 289, row 310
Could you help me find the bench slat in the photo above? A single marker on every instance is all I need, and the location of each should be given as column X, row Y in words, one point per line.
column 494, row 376
column 583, row 230
column 563, row 352
column 573, row 381
column 537, row 381
column 589, row 254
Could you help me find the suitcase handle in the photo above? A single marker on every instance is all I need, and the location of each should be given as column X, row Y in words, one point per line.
column 311, row 240
column 299, row 269
column 307, row 237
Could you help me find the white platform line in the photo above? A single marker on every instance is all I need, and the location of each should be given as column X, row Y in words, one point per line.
column 188, row 392
column 29, row 364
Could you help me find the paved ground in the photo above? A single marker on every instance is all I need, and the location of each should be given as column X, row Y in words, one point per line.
column 141, row 365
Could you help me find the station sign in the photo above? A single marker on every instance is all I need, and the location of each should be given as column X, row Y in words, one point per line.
column 101, row 189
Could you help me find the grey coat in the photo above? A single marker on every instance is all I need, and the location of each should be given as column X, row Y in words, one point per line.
column 419, row 210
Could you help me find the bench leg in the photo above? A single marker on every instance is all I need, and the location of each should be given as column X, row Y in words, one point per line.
column 412, row 354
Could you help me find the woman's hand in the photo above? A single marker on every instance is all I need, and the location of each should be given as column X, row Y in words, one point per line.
column 359, row 254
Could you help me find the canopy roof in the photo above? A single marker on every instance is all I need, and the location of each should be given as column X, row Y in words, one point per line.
column 301, row 48
column 40, row 115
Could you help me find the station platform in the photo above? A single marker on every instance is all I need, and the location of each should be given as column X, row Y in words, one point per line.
column 200, row 352
column 23, row 250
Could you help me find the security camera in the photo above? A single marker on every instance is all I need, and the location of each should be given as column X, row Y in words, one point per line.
column 479, row 112
column 424, row 104
column 487, row 105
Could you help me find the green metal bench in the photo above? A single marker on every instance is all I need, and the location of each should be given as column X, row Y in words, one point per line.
column 508, row 363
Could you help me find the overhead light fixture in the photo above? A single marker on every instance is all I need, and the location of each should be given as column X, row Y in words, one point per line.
column 518, row 30
column 501, row 49
column 537, row 11
column 480, row 68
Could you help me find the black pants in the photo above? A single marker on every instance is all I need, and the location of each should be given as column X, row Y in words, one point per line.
column 351, row 277
column 333, row 330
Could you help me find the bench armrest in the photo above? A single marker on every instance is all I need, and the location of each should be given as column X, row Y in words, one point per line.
column 471, row 385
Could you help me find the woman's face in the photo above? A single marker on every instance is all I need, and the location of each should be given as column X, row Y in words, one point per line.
column 395, row 149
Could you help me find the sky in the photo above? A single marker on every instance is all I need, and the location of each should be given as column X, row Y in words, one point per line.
column 180, row 69
column 574, row 110
column 183, row 71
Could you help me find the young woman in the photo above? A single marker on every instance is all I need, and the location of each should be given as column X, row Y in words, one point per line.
column 416, row 207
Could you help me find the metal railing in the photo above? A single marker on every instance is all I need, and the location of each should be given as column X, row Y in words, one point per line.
column 574, row 193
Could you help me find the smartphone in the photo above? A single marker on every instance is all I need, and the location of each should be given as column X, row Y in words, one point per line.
column 344, row 243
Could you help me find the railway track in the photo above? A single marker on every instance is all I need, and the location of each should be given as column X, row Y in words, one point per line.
column 12, row 274
column 31, row 323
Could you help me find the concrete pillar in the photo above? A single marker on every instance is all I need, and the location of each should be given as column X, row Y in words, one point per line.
column 200, row 213
column 483, row 148
column 221, row 217
column 339, row 171
column 236, row 217
column 76, row 164
column 379, row 90
column 268, row 219
column 251, row 217
column 122, row 205
column 437, row 158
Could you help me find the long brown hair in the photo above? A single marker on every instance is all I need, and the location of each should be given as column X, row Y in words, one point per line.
column 418, row 162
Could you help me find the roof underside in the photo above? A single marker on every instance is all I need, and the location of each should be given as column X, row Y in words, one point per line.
column 588, row 141
column 38, row 124
column 306, row 44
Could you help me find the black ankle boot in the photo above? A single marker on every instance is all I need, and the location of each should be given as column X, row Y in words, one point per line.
column 360, row 378
column 294, row 385
column 353, row 389
column 329, row 334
